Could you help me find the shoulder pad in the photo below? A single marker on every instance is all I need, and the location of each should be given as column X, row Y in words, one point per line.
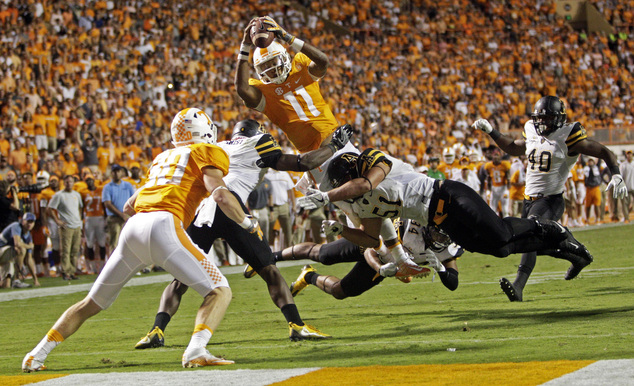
column 577, row 134
column 370, row 158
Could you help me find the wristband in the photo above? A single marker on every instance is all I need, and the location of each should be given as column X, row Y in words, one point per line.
column 614, row 169
column 297, row 44
column 246, row 223
column 244, row 52
column 495, row 134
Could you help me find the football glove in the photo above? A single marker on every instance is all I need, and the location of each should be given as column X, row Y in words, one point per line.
column 483, row 125
column 331, row 227
column 620, row 190
column 279, row 32
column 434, row 262
column 388, row 270
column 340, row 137
column 313, row 199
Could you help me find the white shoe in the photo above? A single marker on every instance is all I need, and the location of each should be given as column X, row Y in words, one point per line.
column 30, row 364
column 201, row 357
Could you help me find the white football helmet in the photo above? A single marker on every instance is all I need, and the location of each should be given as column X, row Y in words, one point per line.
column 448, row 155
column 272, row 64
column 192, row 125
column 42, row 177
column 474, row 156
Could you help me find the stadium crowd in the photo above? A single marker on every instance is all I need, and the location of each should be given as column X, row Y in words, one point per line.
column 94, row 84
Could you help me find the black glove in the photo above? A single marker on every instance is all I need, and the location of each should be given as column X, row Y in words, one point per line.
column 340, row 137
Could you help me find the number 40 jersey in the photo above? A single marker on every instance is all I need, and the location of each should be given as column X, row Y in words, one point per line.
column 549, row 161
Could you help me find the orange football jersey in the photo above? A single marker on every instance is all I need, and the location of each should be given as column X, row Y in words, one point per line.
column 175, row 180
column 498, row 173
column 297, row 106
column 92, row 202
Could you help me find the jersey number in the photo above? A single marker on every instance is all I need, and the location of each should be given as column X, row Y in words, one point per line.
column 169, row 167
column 543, row 163
column 292, row 99
column 388, row 213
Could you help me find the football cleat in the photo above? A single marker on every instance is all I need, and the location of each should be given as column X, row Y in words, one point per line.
column 578, row 265
column 30, row 364
column 201, row 357
column 154, row 338
column 297, row 333
column 514, row 294
column 405, row 279
column 301, row 282
column 249, row 272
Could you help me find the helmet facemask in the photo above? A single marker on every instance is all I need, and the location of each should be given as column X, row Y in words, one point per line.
column 549, row 115
column 272, row 64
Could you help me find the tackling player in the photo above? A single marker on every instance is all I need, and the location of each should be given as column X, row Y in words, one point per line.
column 454, row 207
column 178, row 180
column 424, row 244
column 552, row 147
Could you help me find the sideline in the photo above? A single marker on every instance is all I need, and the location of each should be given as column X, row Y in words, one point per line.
column 135, row 281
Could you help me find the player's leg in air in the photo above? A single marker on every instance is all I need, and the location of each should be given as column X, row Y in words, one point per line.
column 471, row 223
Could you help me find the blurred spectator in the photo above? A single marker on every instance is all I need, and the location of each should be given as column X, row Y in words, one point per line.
column 65, row 208
column 115, row 194
column 16, row 245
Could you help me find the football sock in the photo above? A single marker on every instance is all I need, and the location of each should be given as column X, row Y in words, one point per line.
column 525, row 269
column 291, row 314
column 311, row 277
column 200, row 337
column 48, row 343
column 161, row 320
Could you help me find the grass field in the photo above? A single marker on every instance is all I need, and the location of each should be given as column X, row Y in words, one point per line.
column 591, row 317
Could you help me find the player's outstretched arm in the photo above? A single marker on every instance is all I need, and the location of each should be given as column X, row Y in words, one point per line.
column 250, row 95
column 320, row 60
column 596, row 149
column 511, row 146
column 312, row 159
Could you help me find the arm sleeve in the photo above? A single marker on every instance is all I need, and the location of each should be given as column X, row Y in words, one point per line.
column 449, row 278
column 268, row 150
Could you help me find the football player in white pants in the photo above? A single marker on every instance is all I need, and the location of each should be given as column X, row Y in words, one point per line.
column 178, row 180
column 552, row 147
column 249, row 149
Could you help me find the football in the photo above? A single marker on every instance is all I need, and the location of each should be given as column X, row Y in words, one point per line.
column 260, row 36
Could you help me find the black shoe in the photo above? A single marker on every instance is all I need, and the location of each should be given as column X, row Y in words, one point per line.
column 514, row 294
column 65, row 276
column 552, row 230
column 73, row 277
column 579, row 264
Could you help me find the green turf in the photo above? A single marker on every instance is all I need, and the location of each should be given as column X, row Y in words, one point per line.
column 588, row 318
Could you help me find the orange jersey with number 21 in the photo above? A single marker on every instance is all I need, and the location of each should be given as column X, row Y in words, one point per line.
column 175, row 180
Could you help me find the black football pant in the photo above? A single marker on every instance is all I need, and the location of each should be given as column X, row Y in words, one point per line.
column 472, row 224
column 361, row 277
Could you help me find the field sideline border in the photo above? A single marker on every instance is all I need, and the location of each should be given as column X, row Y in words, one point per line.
column 553, row 373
